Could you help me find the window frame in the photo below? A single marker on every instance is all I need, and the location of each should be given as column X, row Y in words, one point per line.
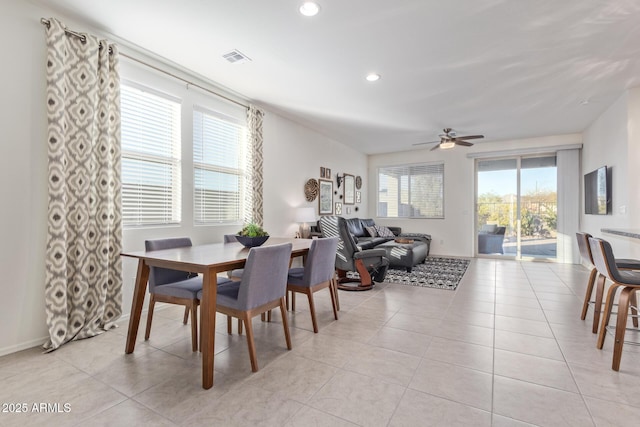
column 241, row 172
column 175, row 161
column 408, row 167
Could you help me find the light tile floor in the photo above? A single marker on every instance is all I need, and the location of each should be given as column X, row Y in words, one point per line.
column 507, row 348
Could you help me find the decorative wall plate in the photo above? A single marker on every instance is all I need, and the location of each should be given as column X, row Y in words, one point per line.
column 358, row 182
column 311, row 189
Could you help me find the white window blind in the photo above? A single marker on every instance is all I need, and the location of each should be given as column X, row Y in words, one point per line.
column 150, row 158
column 218, row 161
column 411, row 191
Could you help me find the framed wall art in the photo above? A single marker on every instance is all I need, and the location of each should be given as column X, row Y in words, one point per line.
column 338, row 208
column 358, row 197
column 349, row 189
column 325, row 199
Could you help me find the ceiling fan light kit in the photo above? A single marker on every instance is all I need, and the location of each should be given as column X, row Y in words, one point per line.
column 447, row 145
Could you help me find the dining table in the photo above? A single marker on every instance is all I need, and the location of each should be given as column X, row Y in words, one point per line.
column 207, row 260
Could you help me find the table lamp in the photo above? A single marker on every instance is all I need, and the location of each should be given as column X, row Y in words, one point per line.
column 304, row 216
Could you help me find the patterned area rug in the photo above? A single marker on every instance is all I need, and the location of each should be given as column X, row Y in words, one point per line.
column 441, row 273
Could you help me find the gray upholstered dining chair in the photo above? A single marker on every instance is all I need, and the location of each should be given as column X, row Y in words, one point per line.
column 623, row 264
column 174, row 286
column 318, row 273
column 371, row 264
column 263, row 287
column 629, row 281
column 237, row 273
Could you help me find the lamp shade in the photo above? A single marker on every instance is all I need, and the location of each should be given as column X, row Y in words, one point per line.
column 306, row 214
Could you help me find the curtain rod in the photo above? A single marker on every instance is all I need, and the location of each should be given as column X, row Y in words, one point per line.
column 83, row 37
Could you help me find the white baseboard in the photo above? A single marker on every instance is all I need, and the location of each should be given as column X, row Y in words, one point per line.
column 23, row 346
column 40, row 341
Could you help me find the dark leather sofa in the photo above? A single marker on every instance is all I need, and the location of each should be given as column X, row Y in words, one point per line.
column 363, row 239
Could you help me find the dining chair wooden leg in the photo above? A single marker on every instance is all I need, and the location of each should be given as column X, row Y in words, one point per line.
column 229, row 330
column 293, row 301
column 194, row 325
column 611, row 294
column 250, row 343
column 239, row 326
column 634, row 309
column 621, row 326
column 287, row 297
column 186, row 315
column 152, row 303
column 312, row 309
column 285, row 323
column 269, row 316
column 587, row 296
column 333, row 291
column 597, row 307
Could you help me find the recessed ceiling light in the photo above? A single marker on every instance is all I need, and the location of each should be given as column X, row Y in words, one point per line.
column 309, row 8
column 373, row 77
column 584, row 102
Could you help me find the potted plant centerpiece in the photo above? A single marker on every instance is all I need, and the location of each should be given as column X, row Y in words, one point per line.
column 252, row 235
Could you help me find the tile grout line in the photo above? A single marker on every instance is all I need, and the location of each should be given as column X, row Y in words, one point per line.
column 493, row 361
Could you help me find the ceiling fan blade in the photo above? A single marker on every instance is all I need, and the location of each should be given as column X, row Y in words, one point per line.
column 435, row 147
column 424, row 143
column 469, row 137
column 465, row 143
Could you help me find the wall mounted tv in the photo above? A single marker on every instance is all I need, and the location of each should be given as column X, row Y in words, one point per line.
column 597, row 192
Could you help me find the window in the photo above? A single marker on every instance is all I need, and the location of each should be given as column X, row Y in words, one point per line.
column 218, row 153
column 150, row 158
column 411, row 191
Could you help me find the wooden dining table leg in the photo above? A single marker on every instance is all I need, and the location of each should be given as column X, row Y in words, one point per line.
column 139, row 292
column 208, row 311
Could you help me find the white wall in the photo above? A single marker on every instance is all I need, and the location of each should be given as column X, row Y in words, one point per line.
column 23, row 169
column 454, row 234
column 614, row 140
column 292, row 154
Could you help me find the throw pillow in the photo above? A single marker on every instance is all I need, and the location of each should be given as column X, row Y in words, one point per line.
column 384, row 231
column 372, row 231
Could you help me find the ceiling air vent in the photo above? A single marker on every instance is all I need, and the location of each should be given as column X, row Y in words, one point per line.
column 236, row 57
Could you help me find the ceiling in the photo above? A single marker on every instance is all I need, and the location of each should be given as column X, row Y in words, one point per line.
column 508, row 69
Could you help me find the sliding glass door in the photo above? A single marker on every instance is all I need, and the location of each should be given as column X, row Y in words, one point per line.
column 538, row 207
column 516, row 207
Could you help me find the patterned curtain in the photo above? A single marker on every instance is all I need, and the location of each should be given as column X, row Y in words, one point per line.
column 83, row 290
column 253, row 202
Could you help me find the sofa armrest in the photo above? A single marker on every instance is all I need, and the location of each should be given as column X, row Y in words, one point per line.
column 370, row 253
column 417, row 236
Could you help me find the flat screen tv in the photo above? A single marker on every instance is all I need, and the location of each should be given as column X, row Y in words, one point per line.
column 597, row 192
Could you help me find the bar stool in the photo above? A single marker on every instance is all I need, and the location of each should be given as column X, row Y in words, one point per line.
column 630, row 282
column 621, row 264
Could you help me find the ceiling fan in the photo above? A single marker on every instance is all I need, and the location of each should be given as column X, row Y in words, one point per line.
column 448, row 139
